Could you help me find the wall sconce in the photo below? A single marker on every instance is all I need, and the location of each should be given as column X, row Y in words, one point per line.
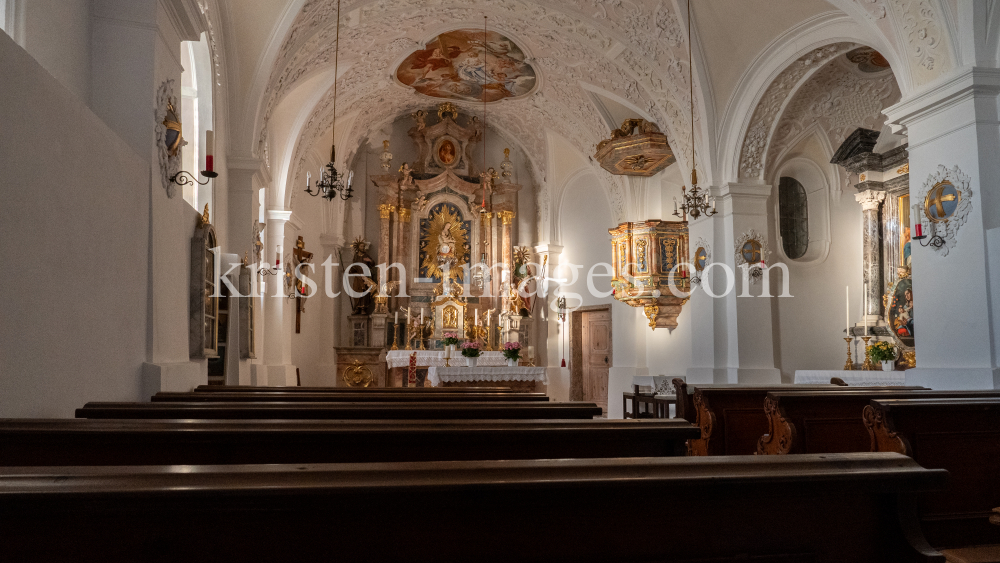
column 184, row 178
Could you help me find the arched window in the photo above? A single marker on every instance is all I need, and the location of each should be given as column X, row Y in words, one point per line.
column 793, row 213
column 196, row 116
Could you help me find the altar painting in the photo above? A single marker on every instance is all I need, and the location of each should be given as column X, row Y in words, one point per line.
column 904, row 231
column 459, row 65
column 900, row 311
column 444, row 243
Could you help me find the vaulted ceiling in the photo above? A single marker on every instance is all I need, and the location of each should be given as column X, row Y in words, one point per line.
column 594, row 60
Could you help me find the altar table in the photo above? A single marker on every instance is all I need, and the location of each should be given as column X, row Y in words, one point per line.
column 432, row 358
column 853, row 378
column 517, row 378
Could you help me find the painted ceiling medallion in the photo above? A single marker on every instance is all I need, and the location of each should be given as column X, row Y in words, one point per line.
column 868, row 60
column 459, row 65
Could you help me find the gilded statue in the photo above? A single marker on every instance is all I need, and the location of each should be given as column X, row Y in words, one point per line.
column 443, row 243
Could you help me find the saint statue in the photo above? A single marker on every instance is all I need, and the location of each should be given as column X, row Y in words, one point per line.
column 446, row 248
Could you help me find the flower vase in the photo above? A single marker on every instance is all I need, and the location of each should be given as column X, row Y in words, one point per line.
column 511, row 362
column 888, row 366
column 472, row 361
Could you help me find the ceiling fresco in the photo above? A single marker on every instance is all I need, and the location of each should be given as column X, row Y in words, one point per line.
column 469, row 65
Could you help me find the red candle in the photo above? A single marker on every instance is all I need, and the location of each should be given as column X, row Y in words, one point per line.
column 919, row 230
column 209, row 151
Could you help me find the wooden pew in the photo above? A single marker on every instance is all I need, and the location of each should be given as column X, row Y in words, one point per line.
column 961, row 435
column 360, row 390
column 387, row 397
column 341, row 411
column 685, row 394
column 732, row 417
column 835, row 508
column 830, row 421
column 206, row 442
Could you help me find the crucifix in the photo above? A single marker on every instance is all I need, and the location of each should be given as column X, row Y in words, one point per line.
column 300, row 256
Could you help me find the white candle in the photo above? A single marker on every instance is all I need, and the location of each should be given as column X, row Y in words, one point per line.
column 477, row 317
column 864, row 307
column 421, row 316
column 847, row 293
column 397, row 318
column 308, row 179
column 277, row 257
column 408, row 317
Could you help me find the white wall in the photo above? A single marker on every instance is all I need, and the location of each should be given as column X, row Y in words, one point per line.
column 57, row 34
column 74, row 224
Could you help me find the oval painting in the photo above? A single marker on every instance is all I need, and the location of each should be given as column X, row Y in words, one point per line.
column 447, row 153
column 469, row 65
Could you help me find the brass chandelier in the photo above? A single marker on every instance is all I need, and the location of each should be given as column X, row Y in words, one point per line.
column 331, row 182
column 696, row 202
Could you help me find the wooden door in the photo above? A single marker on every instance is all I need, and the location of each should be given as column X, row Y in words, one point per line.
column 596, row 328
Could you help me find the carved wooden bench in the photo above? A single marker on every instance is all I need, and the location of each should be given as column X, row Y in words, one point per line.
column 831, row 422
column 160, row 442
column 732, row 418
column 341, row 411
column 358, row 390
column 961, row 435
column 384, row 397
column 830, row 509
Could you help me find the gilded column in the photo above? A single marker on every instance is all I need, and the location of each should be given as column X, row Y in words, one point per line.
column 870, row 201
column 402, row 237
column 507, row 217
column 385, row 232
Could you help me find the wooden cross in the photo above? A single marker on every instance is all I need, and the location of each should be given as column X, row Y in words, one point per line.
column 300, row 256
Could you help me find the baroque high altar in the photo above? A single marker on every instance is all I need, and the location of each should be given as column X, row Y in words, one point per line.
column 449, row 223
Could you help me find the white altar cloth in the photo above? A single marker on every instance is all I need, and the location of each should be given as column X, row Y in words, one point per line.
column 853, row 378
column 437, row 375
column 430, row 358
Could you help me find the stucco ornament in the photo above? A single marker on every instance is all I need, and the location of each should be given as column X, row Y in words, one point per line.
column 935, row 192
column 751, row 249
column 759, row 131
column 170, row 165
column 834, row 102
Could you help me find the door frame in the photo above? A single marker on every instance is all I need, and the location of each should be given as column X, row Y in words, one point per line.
column 576, row 348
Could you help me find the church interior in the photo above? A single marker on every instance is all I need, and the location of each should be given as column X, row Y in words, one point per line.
column 519, row 265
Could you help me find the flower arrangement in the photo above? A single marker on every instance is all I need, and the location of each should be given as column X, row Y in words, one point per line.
column 512, row 350
column 450, row 339
column 470, row 349
column 882, row 352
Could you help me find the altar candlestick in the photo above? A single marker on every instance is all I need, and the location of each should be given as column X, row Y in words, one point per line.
column 209, row 151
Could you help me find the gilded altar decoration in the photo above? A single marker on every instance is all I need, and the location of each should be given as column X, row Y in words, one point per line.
column 449, row 317
column 946, row 203
column 444, row 248
column 660, row 251
column 358, row 375
column 632, row 153
column 469, row 65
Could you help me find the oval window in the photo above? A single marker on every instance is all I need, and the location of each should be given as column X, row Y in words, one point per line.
column 793, row 215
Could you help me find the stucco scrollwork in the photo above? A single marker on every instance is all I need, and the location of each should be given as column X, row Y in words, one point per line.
column 932, row 194
column 754, row 149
